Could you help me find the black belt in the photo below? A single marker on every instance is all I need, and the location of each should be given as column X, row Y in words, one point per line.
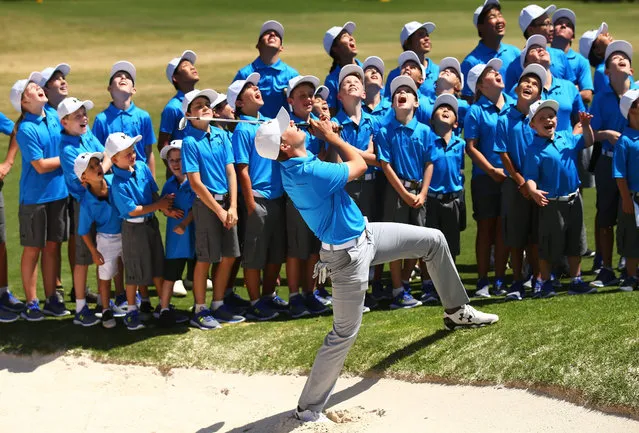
column 411, row 184
column 448, row 196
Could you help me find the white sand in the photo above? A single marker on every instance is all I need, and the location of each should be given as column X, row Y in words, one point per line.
column 69, row 394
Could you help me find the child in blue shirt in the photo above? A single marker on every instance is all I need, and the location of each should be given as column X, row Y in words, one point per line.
column 592, row 45
column 339, row 43
column 375, row 103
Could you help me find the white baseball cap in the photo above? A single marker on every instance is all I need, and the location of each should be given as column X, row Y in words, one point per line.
column 481, row 8
column 589, row 37
column 412, row 27
column 71, row 105
column 531, row 13
column 477, row 70
column 221, row 97
column 565, row 13
column 322, row 92
column 300, row 79
column 538, row 105
column 272, row 25
column 451, row 62
column 268, row 136
column 333, row 32
column 446, row 99
column 537, row 70
column 189, row 97
column 410, row 56
column 532, row 41
column 236, row 88
column 174, row 144
column 173, row 63
column 375, row 62
column 627, row 100
column 122, row 65
column 402, row 80
column 47, row 73
column 619, row 46
column 15, row 95
column 82, row 162
column 119, row 141
column 349, row 70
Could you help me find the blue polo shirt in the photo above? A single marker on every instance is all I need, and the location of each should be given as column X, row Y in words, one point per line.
column 358, row 136
column 427, row 88
column 514, row 136
column 39, row 138
column 407, row 148
column 380, row 111
column 273, row 83
column 559, row 66
column 6, row 124
column 552, row 164
column 317, row 191
column 601, row 80
column 208, row 153
column 626, row 158
column 331, row 82
column 264, row 173
column 70, row 147
column 171, row 115
column 131, row 189
column 425, row 112
column 132, row 121
column 52, row 115
column 100, row 211
column 448, row 160
column 483, row 54
column 607, row 115
column 313, row 144
column 481, row 125
column 179, row 246
column 569, row 99
column 581, row 69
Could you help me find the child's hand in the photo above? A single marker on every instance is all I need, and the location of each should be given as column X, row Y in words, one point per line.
column 231, row 217
column 628, row 206
column 410, row 199
column 174, row 213
column 498, row 175
column 540, row 197
column 166, row 202
column 322, row 128
column 584, row 119
column 223, row 216
column 179, row 229
column 419, row 201
column 97, row 258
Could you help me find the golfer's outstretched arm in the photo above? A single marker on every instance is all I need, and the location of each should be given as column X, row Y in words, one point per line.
column 356, row 165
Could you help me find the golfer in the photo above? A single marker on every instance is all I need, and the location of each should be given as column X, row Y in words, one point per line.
column 350, row 245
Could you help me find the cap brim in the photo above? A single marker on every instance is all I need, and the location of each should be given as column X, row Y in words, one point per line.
column 446, row 99
column 495, row 63
column 221, row 97
column 188, row 55
column 63, row 68
column 310, row 79
column 323, row 92
column 254, row 78
column 627, row 100
column 35, row 77
column 272, row 25
column 350, row 70
column 402, row 80
column 564, row 13
column 548, row 103
column 452, row 62
column 532, row 41
column 166, row 149
column 619, row 46
column 349, row 27
column 537, row 70
column 374, row 61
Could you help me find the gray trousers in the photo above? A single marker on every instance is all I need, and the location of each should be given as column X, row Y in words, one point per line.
column 348, row 270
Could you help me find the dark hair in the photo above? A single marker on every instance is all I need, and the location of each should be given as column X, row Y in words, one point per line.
column 618, row 51
column 530, row 75
column 593, row 58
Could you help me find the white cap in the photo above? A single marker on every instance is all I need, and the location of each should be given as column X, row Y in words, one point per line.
column 477, row 70
column 47, row 73
column 589, row 37
column 531, row 13
column 332, row 33
column 189, row 97
column 174, row 144
column 272, row 25
column 451, row 62
column 322, row 92
column 537, row 70
column 268, row 136
column 173, row 63
column 374, row 61
column 119, row 141
column 565, row 13
column 402, row 80
column 619, row 46
column 481, row 8
column 82, row 162
column 538, row 105
column 627, row 100
column 532, row 41
column 236, row 88
column 349, row 70
column 446, row 99
column 300, row 79
column 15, row 95
column 410, row 55
column 221, row 97
column 412, row 27
column 71, row 105
column 122, row 65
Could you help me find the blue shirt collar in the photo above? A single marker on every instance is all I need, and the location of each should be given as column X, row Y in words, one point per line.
column 196, row 133
column 394, row 123
column 259, row 64
column 113, row 110
column 487, row 103
column 631, row 133
column 122, row 174
column 246, row 117
column 179, row 95
column 35, row 118
column 343, row 118
column 291, row 162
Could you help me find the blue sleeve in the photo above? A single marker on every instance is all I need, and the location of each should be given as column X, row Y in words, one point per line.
column 330, row 177
column 601, row 81
column 67, row 161
column 6, row 124
column 584, row 77
column 149, row 178
column 99, row 129
column 596, row 110
column 512, row 74
column 501, row 135
column 122, row 200
column 531, row 167
column 578, row 141
column 620, row 157
column 569, row 72
column 471, row 124
column 169, row 119
column 241, row 146
column 85, row 219
column 228, row 147
column 148, row 135
column 577, row 103
column 190, row 156
column 29, row 142
column 383, row 146
column 331, row 84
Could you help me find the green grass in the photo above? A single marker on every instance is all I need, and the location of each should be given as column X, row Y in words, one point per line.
column 581, row 348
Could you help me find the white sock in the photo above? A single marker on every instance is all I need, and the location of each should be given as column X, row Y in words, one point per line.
column 199, row 307
column 79, row 304
column 398, row 291
column 216, row 304
column 131, row 308
column 3, row 290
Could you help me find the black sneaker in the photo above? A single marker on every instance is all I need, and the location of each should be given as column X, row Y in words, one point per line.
column 32, row 312
column 238, row 304
column 8, row 302
column 146, row 311
column 53, row 307
column 108, row 320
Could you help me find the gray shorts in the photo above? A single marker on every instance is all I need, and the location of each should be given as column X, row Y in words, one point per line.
column 212, row 240
column 265, row 235
column 627, row 235
column 142, row 252
column 42, row 223
column 607, row 193
column 397, row 211
column 3, row 223
column 82, row 252
column 363, row 194
column 443, row 214
column 561, row 230
column 486, row 194
column 520, row 218
column 301, row 241
column 585, row 176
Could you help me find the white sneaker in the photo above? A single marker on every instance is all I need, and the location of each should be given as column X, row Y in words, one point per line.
column 178, row 289
column 483, row 292
column 310, row 416
column 209, row 284
column 468, row 317
column 365, row 309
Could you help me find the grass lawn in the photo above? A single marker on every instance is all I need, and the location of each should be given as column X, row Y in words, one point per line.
column 582, row 348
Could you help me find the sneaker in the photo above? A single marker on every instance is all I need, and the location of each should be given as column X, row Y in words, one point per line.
column 404, row 301
column 89, row 296
column 365, row 309
column 276, row 304
column 468, row 317
column 32, row 312
column 132, row 321
column 120, row 302
column 310, row 416
column 578, row 287
column 225, row 314
column 8, row 302
column 406, row 287
column 238, row 304
column 138, row 299
column 188, row 284
column 53, row 307
column 482, row 290
column 108, row 319
column 297, row 307
column 179, row 290
column 629, row 284
column 622, row 264
column 547, row 290
column 379, row 293
column 118, row 311
column 8, row 316
column 314, row 304
column 146, row 311
column 556, row 282
column 369, row 302
column 498, row 287
column 85, row 317
column 536, row 288
column 589, row 254
column 429, row 294
column 605, row 278
column 205, row 321
column 323, row 295
column 170, row 317
column 516, row 292
column 597, row 264
column 261, row 311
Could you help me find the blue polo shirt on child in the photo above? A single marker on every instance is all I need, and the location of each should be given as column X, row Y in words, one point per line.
column 380, row 111
column 569, row 99
column 273, row 83
column 179, row 246
column 425, row 112
column 321, row 198
column 427, row 88
column 131, row 189
column 448, row 162
column 481, row 125
column 331, row 82
column 552, row 164
column 483, row 54
column 601, row 80
column 264, row 173
column 39, row 138
column 313, row 144
column 559, row 66
column 407, row 148
column 581, row 69
column 100, row 211
column 607, row 115
column 132, row 121
column 358, row 136
column 6, row 124
column 171, row 115
column 513, row 136
column 208, row 153
column 70, row 147
column 626, row 158
column 52, row 115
